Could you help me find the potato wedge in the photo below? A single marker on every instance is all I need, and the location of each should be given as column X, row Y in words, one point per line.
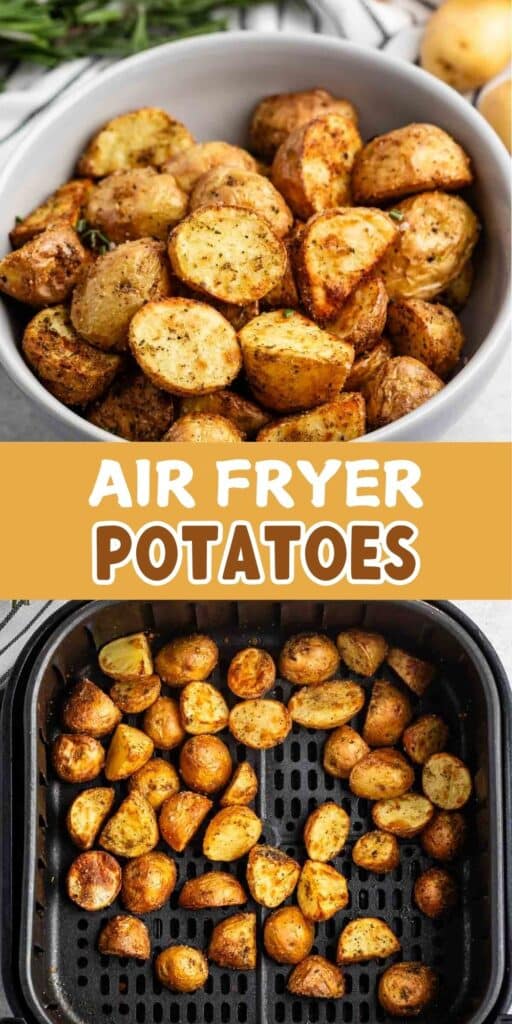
column 189, row 166
column 342, row 420
column 260, row 724
column 132, row 830
column 87, row 813
column 251, row 673
column 446, row 781
column 401, row 385
column 322, row 891
column 148, row 882
column 308, row 658
column 162, row 723
column 205, row 763
column 382, row 774
column 427, row 331
column 203, row 709
column 389, row 712
column 235, row 186
column 135, row 695
column 344, row 747
column 62, row 206
column 376, row 851
column 326, row 832
column 362, row 318
column 180, row 817
column 362, row 651
column 426, row 736
column 271, row 875
column 203, row 428
column 327, row 705
column 233, row 943
column 406, row 989
column 77, row 758
column 404, row 816
column 316, row 978
column 414, row 672
column 366, row 366
column 89, row 710
column 213, row 889
column 231, row 834
column 129, row 749
column 181, row 968
column 44, row 271
column 133, row 408
column 143, row 137
column 187, row 659
column 287, row 936
column 445, row 835
column 244, row 414
column 242, row 788
column 125, row 936
column 366, row 938
column 435, row 892
column 156, row 780
column 137, row 203
column 127, row 658
column 275, row 117
column 93, row 881
column 284, row 294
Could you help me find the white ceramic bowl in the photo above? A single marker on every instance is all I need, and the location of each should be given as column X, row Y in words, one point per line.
column 211, row 84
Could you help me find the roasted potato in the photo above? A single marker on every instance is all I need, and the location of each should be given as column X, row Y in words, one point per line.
column 382, row 774
column 187, row 659
column 326, row 832
column 213, row 889
column 233, row 943
column 189, row 166
column 63, row 206
column 133, row 408
column 316, row 978
column 203, row 709
column 426, row 736
column 246, row 416
column 234, row 186
column 342, row 420
column 114, row 287
column 427, row 331
column 389, row 712
column 291, row 363
column 437, row 235
column 406, row 989
column 308, row 658
column 242, row 788
column 363, row 652
column 127, row 658
column 284, row 294
column 203, row 428
column 156, row 780
column 44, row 271
column 77, row 758
column 180, row 817
column 376, row 851
column 275, row 117
column 321, row 891
column 139, row 138
column 445, row 835
column 467, row 42
column 366, row 938
column 129, row 749
column 205, row 763
column 344, row 747
column 326, row 705
column 260, row 724
column 251, row 673
column 401, row 385
column 125, row 936
column 446, row 781
column 181, row 968
column 414, row 672
column 87, row 813
column 70, row 368
column 87, row 709
column 271, row 875
column 138, row 203
column 132, row 830
column 335, row 251
column 288, row 936
column 405, row 816
column 366, row 367
column 135, row 695
column 148, row 882
column 93, row 881
column 162, row 723
column 457, row 292
column 435, row 892
column 231, row 834
column 362, row 318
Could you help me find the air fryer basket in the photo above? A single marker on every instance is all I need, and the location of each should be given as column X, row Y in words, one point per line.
column 63, row 978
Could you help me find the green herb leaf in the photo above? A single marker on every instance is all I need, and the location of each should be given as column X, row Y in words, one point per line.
column 92, row 237
column 396, row 215
column 288, row 313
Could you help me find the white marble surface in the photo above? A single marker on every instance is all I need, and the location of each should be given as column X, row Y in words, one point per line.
column 495, row 620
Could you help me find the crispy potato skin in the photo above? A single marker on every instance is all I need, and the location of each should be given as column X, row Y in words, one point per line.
column 213, row 889
column 231, row 834
column 367, row 938
column 187, row 659
column 163, row 724
column 62, row 206
column 426, row 736
column 404, row 816
column 271, row 875
column 326, row 832
column 275, row 117
column 77, row 758
column 44, row 270
column 362, row 318
column 87, row 813
column 132, row 830
column 446, row 781
column 284, row 294
column 246, row 416
column 203, row 708
column 88, row 710
column 389, row 712
column 315, row 977
column 321, row 891
column 181, row 968
column 129, row 749
column 376, row 851
column 308, row 658
column 445, row 835
column 135, row 695
column 260, row 724
column 342, row 420
column 143, row 137
column 405, row 989
column 381, row 774
column 366, row 366
column 344, row 747
column 435, row 892
column 233, row 186
column 188, row 167
column 401, row 385
column 138, row 203
column 233, row 943
column 156, row 780
column 362, row 651
column 251, row 673
column 148, row 882
column 427, row 331
column 326, row 705
column 242, row 788
column 457, row 292
column 133, row 408
column 128, row 657
column 288, row 936
column 180, row 817
column 124, row 935
column 414, row 672
column 205, row 763
column 93, row 881
column 203, row 428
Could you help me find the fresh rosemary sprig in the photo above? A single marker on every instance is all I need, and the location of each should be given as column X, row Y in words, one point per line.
column 92, row 238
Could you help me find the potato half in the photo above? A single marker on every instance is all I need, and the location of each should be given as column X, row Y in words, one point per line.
column 77, row 758
column 376, row 851
column 275, row 117
column 189, row 166
column 203, row 428
column 89, row 710
column 180, row 817
column 148, row 882
column 362, row 318
column 445, row 835
column 156, row 780
column 87, row 813
column 427, row 331
column 138, row 203
column 203, row 708
column 187, row 659
column 401, row 385
column 44, row 271
column 362, row 651
column 251, row 673
column 366, row 366
column 213, row 889
column 132, row 830
column 288, row 936
column 62, row 206
column 231, row 834
column 389, row 712
column 426, row 736
column 125, row 936
column 326, row 832
column 414, row 672
column 245, row 415
column 135, row 695
column 182, row 968
column 446, row 781
column 405, row 816
column 406, row 989
column 271, row 875
column 308, row 659
column 162, row 723
column 342, row 420
column 127, row 658
column 327, row 705
column 382, row 774
column 435, row 892
column 344, row 747
column 205, row 763
column 260, row 724
column 133, row 408
column 242, row 788
column 316, row 978
column 321, row 891
column 93, row 881
column 233, row 943
column 234, row 186
column 141, row 137
column 366, row 938
column 129, row 749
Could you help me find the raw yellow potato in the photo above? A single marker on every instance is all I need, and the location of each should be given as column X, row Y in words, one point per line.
column 271, row 875
column 456, row 293
column 87, row 709
column 287, row 936
column 376, row 851
column 231, row 834
column 426, row 736
column 63, row 206
column 251, row 673
column 467, row 42
column 233, row 943
column 308, row 658
column 162, row 723
column 148, row 882
column 336, row 250
column 156, row 780
column 260, row 724
column 93, row 881
column 313, row 166
column 321, row 891
column 127, row 658
column 327, row 705
column 275, row 117
column 427, row 331
column 185, row 347
column 316, row 978
column 446, row 781
column 234, row 186
column 77, row 758
column 404, row 816
column 243, row 787
column 187, row 167
column 362, row 651
column 435, row 892
column 366, row 367
column 366, row 938
column 228, row 252
column 135, row 695
column 138, row 203
column 344, row 747
column 114, row 287
column 246, row 416
column 437, row 234
column 182, row 968
column 401, row 385
column 406, row 989
column 411, row 159
column 205, row 763
column 445, row 835
column 136, row 139
column 44, row 271
column 414, row 672
column 187, row 659
column 389, row 712
column 291, row 363
column 132, row 830
column 495, row 104
column 326, row 832
column 203, row 428
column 382, row 774
column 129, row 749
column 342, row 420
column 133, row 408
column 362, row 318
column 203, row 708
column 126, row 936
column 87, row 814
column 180, row 817
column 213, row 889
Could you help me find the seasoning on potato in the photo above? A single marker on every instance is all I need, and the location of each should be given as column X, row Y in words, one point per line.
column 446, row 781
column 414, row 672
column 190, row 165
column 88, row 710
column 400, row 386
column 427, row 331
column 260, row 724
column 187, row 659
column 180, row 817
column 326, row 705
column 342, row 420
column 182, row 968
column 148, row 136
column 308, row 658
column 136, row 203
column 203, row 709
column 205, row 763
column 135, row 695
column 203, row 428
column 326, row 831
column 288, row 936
column 405, row 816
column 366, row 938
column 381, row 774
column 271, row 875
column 367, row 365
column 275, row 117
column 242, row 787
column 87, row 813
column 233, row 943
column 244, row 415
column 133, row 408
column 163, row 724
column 231, row 833
column 63, row 205
column 45, row 269
column 148, row 882
column 129, row 750
column 251, row 673
column 77, row 758
column 362, row 651
column 426, row 736
column 389, row 712
column 127, row 658
column 132, row 830
column 445, row 835
column 435, row 892
column 125, row 936
column 362, row 318
column 234, row 186
column 213, row 889
column 321, row 892
column 376, row 851
column 93, row 881
column 316, row 978
column 406, row 989
column 156, row 780
column 343, row 748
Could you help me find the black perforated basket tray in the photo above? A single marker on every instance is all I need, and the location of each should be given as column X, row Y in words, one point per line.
column 57, row 973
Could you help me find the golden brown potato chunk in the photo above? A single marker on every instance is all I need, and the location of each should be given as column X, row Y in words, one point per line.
column 63, row 206
column 275, row 117
column 243, row 787
column 308, row 658
column 93, row 881
column 251, row 673
column 446, row 781
column 128, row 657
column 180, row 817
column 138, row 203
column 87, row 814
column 44, row 270
column 427, row 331
column 389, row 711
column 246, row 416
column 376, row 851
column 445, row 835
column 321, row 891
column 284, row 294
column 287, row 936
column 312, row 167
column 231, row 833
column 342, row 420
column 136, row 139
column 362, row 318
column 344, row 747
column 327, row 705
column 260, row 724
column 135, row 695
column 148, row 882
column 129, row 749
column 271, row 875
column 382, row 774
column 205, row 763
column 213, row 889
column 316, row 978
column 405, row 816
column 186, row 660
column 366, row 367
column 362, row 651
column 133, row 408
column 203, row 428
column 401, row 385
column 181, row 968
column 366, row 938
column 124, row 935
column 188, row 167
column 77, row 758
column 233, row 943
column 414, row 672
column 162, row 723
column 203, row 709
column 234, row 186
column 156, row 780
column 326, row 832
column 87, row 709
column 406, row 989
column 426, row 736
column 435, row 892
column 132, row 830
column 457, row 292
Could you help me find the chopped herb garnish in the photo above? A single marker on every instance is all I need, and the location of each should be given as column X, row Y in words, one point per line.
column 396, row 215
column 93, row 238
column 288, row 313
column 18, row 219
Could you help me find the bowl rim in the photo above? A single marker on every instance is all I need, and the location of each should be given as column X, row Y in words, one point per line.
column 11, row 357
